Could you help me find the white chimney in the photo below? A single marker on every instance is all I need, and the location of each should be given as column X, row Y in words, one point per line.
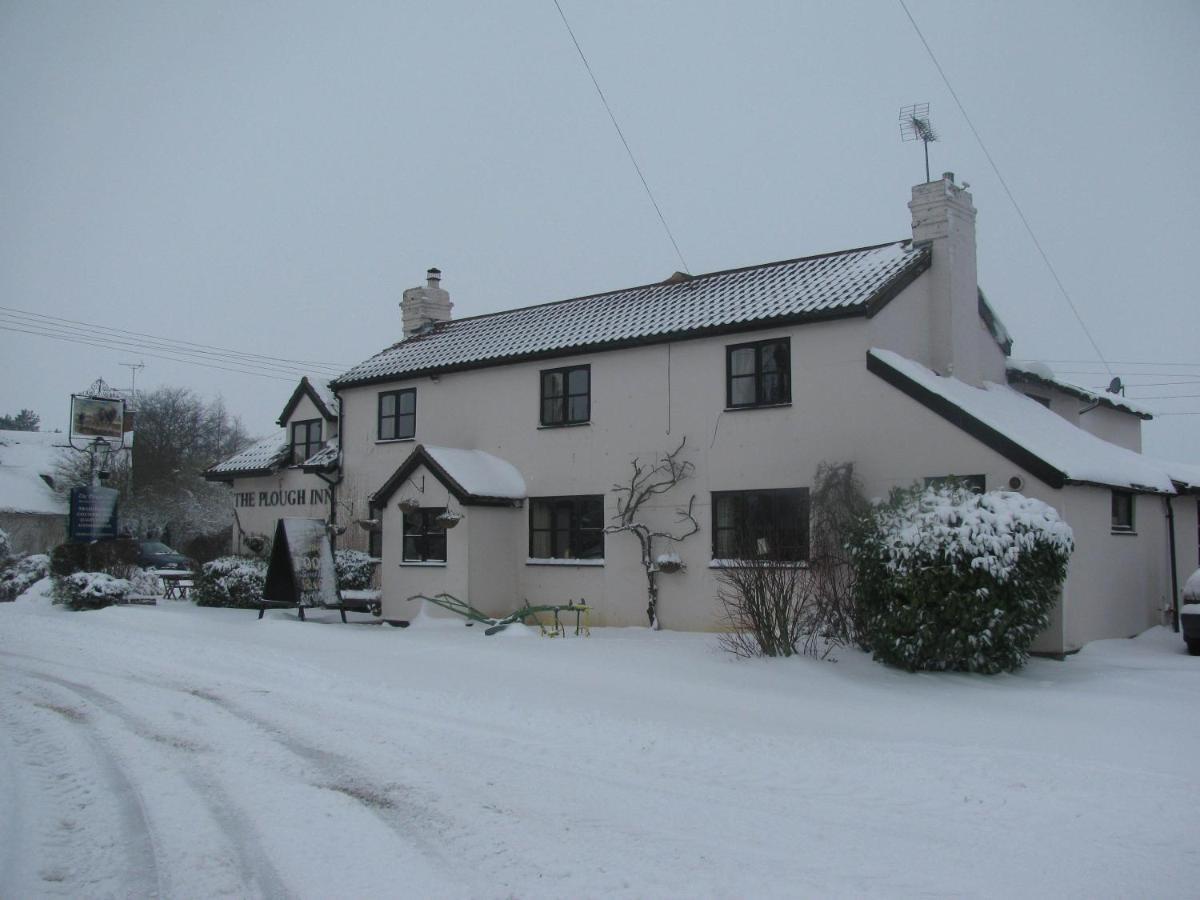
column 424, row 306
column 943, row 218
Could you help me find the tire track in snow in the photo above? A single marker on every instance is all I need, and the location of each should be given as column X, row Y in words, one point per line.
column 253, row 869
column 394, row 804
column 63, row 780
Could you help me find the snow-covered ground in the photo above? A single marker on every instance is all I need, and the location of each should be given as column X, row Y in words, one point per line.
column 186, row 752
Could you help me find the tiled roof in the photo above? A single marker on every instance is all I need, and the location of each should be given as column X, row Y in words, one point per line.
column 256, row 459
column 844, row 283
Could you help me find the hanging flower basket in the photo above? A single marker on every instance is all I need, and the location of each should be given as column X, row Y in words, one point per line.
column 448, row 519
column 255, row 543
column 668, row 563
column 409, row 504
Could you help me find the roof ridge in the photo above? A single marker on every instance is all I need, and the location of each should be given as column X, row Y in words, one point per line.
column 442, row 326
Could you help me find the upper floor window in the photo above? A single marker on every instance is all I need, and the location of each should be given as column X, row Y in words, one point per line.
column 397, row 414
column 1122, row 511
column 768, row 524
column 306, row 440
column 424, row 538
column 566, row 395
column 566, row 527
column 758, row 374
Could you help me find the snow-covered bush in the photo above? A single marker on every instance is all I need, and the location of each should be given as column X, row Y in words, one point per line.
column 90, row 590
column 951, row 580
column 19, row 574
column 5, row 546
column 145, row 583
column 354, row 569
column 230, row 581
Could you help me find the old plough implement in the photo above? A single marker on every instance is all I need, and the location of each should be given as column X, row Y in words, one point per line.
column 556, row 628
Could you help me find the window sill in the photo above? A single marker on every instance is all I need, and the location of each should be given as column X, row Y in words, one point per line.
column 741, row 563
column 1123, row 532
column 574, row 563
column 396, row 440
column 759, row 406
column 418, row 564
column 564, row 425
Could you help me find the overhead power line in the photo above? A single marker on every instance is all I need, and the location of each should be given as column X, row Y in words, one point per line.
column 190, row 352
column 621, row 135
column 1004, row 184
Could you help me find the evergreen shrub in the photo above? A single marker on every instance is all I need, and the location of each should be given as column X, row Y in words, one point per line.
column 18, row 575
column 230, row 581
column 89, row 590
column 951, row 580
column 117, row 557
column 354, row 569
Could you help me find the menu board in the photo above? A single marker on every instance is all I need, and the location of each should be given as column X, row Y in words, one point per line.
column 301, row 569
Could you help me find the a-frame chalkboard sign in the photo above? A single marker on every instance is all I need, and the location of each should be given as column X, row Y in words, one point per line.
column 301, row 570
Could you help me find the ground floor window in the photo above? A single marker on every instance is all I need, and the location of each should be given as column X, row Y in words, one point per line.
column 424, row 538
column 566, row 527
column 1122, row 511
column 765, row 524
column 976, row 484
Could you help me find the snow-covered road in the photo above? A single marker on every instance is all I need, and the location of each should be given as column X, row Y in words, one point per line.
column 184, row 752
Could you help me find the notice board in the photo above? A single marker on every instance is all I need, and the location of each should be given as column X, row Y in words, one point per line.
column 301, row 568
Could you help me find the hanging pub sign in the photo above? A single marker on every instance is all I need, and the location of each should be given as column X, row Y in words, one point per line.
column 93, row 515
column 301, row 570
column 98, row 417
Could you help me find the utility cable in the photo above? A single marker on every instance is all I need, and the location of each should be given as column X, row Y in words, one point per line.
column 181, row 345
column 995, row 168
column 621, row 135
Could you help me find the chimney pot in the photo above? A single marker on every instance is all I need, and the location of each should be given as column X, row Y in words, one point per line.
column 434, row 277
column 948, row 176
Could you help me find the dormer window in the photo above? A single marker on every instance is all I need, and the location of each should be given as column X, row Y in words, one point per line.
column 306, row 440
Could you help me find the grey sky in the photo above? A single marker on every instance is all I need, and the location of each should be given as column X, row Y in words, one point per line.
column 270, row 176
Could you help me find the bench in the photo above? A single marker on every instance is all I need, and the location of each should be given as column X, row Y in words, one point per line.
column 348, row 601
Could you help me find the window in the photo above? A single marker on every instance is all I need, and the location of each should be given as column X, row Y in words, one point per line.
column 770, row 524
column 566, row 395
column 397, row 414
column 424, row 538
column 1122, row 511
column 758, row 374
column 306, row 440
column 976, row 484
column 566, row 527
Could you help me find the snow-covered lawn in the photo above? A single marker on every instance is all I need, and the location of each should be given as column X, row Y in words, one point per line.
column 186, row 752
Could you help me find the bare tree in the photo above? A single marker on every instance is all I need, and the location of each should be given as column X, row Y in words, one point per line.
column 633, row 498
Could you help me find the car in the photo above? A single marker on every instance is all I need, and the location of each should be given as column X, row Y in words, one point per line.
column 157, row 555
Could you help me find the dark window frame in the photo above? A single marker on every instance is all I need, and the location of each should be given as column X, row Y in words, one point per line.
column 577, row 537
column 759, row 375
column 395, row 417
column 976, row 483
column 427, row 536
column 722, row 549
column 564, row 417
column 1123, row 524
column 310, row 445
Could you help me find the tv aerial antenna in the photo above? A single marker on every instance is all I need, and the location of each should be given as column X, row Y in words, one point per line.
column 915, row 126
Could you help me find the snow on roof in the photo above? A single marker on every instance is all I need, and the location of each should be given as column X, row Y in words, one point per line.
column 480, row 474
column 1078, row 455
column 324, row 457
column 844, row 283
column 1038, row 372
column 255, row 459
column 24, row 457
column 320, row 386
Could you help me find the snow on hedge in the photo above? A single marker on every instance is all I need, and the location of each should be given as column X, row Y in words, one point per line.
column 991, row 530
column 90, row 590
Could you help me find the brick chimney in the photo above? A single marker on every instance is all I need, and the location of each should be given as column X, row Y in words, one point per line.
column 423, row 306
column 943, row 217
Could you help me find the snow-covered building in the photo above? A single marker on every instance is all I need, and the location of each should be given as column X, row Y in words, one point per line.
column 32, row 513
column 519, row 423
column 289, row 473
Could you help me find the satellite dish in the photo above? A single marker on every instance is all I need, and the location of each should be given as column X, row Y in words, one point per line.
column 1115, row 386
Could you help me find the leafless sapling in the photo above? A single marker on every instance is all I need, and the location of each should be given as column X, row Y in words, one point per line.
column 647, row 481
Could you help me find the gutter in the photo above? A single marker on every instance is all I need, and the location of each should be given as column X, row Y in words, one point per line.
column 1174, row 570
